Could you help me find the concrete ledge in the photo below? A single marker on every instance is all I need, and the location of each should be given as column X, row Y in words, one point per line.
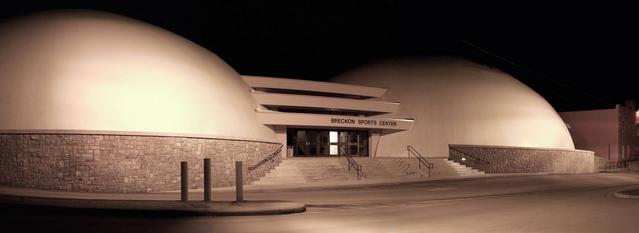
column 130, row 133
column 156, row 207
column 514, row 147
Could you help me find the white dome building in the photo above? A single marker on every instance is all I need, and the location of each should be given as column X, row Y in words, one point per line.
column 84, row 70
column 108, row 103
column 97, row 102
column 454, row 101
column 439, row 108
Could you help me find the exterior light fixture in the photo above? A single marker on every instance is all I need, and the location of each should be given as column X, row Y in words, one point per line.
column 463, row 159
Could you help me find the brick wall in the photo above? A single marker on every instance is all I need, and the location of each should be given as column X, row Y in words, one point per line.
column 628, row 141
column 595, row 130
column 124, row 163
column 499, row 159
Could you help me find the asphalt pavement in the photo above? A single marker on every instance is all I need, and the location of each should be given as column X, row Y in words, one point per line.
column 542, row 203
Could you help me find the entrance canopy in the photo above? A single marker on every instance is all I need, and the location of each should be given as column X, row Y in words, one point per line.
column 333, row 121
column 302, row 103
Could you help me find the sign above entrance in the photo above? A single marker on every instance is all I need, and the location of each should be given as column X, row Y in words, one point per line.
column 317, row 120
column 365, row 122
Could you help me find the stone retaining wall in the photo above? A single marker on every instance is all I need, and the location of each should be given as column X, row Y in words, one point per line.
column 499, row 159
column 600, row 163
column 124, row 163
column 633, row 166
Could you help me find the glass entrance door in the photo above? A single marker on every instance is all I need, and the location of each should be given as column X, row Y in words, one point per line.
column 354, row 142
column 321, row 142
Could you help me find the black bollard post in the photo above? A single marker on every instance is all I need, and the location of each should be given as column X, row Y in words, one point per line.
column 184, row 176
column 239, row 189
column 207, row 179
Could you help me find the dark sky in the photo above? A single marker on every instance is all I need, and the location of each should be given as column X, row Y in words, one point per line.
column 576, row 56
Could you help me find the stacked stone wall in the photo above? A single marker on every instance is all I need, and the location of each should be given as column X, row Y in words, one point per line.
column 499, row 159
column 633, row 166
column 124, row 163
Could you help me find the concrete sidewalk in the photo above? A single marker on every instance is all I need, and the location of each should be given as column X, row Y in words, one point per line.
column 168, row 202
column 141, row 203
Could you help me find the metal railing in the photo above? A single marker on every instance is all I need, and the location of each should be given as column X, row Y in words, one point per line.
column 465, row 155
column 271, row 158
column 616, row 165
column 351, row 163
column 422, row 161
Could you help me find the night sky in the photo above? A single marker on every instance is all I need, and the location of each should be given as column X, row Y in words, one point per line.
column 577, row 56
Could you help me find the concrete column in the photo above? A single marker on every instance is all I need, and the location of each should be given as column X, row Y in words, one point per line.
column 280, row 135
column 373, row 141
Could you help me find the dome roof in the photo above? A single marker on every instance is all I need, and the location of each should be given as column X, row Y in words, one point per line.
column 87, row 70
column 454, row 101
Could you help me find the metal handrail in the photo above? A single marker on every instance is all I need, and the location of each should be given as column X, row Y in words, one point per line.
column 616, row 165
column 420, row 158
column 268, row 158
column 470, row 156
column 351, row 163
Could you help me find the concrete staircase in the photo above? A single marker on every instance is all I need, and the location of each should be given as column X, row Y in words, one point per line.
column 463, row 170
column 325, row 169
column 372, row 168
column 410, row 168
column 307, row 170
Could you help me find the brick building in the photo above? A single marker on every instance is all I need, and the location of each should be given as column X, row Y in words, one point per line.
column 610, row 133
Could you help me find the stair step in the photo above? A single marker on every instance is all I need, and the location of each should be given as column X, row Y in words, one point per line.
column 317, row 170
column 464, row 170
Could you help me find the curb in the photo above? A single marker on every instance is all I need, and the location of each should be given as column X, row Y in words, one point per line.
column 620, row 194
column 146, row 207
column 275, row 188
column 304, row 187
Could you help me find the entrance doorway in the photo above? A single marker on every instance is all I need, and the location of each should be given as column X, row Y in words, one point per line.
column 323, row 142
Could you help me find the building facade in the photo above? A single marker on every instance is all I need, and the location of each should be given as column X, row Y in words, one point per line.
column 313, row 118
column 96, row 102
